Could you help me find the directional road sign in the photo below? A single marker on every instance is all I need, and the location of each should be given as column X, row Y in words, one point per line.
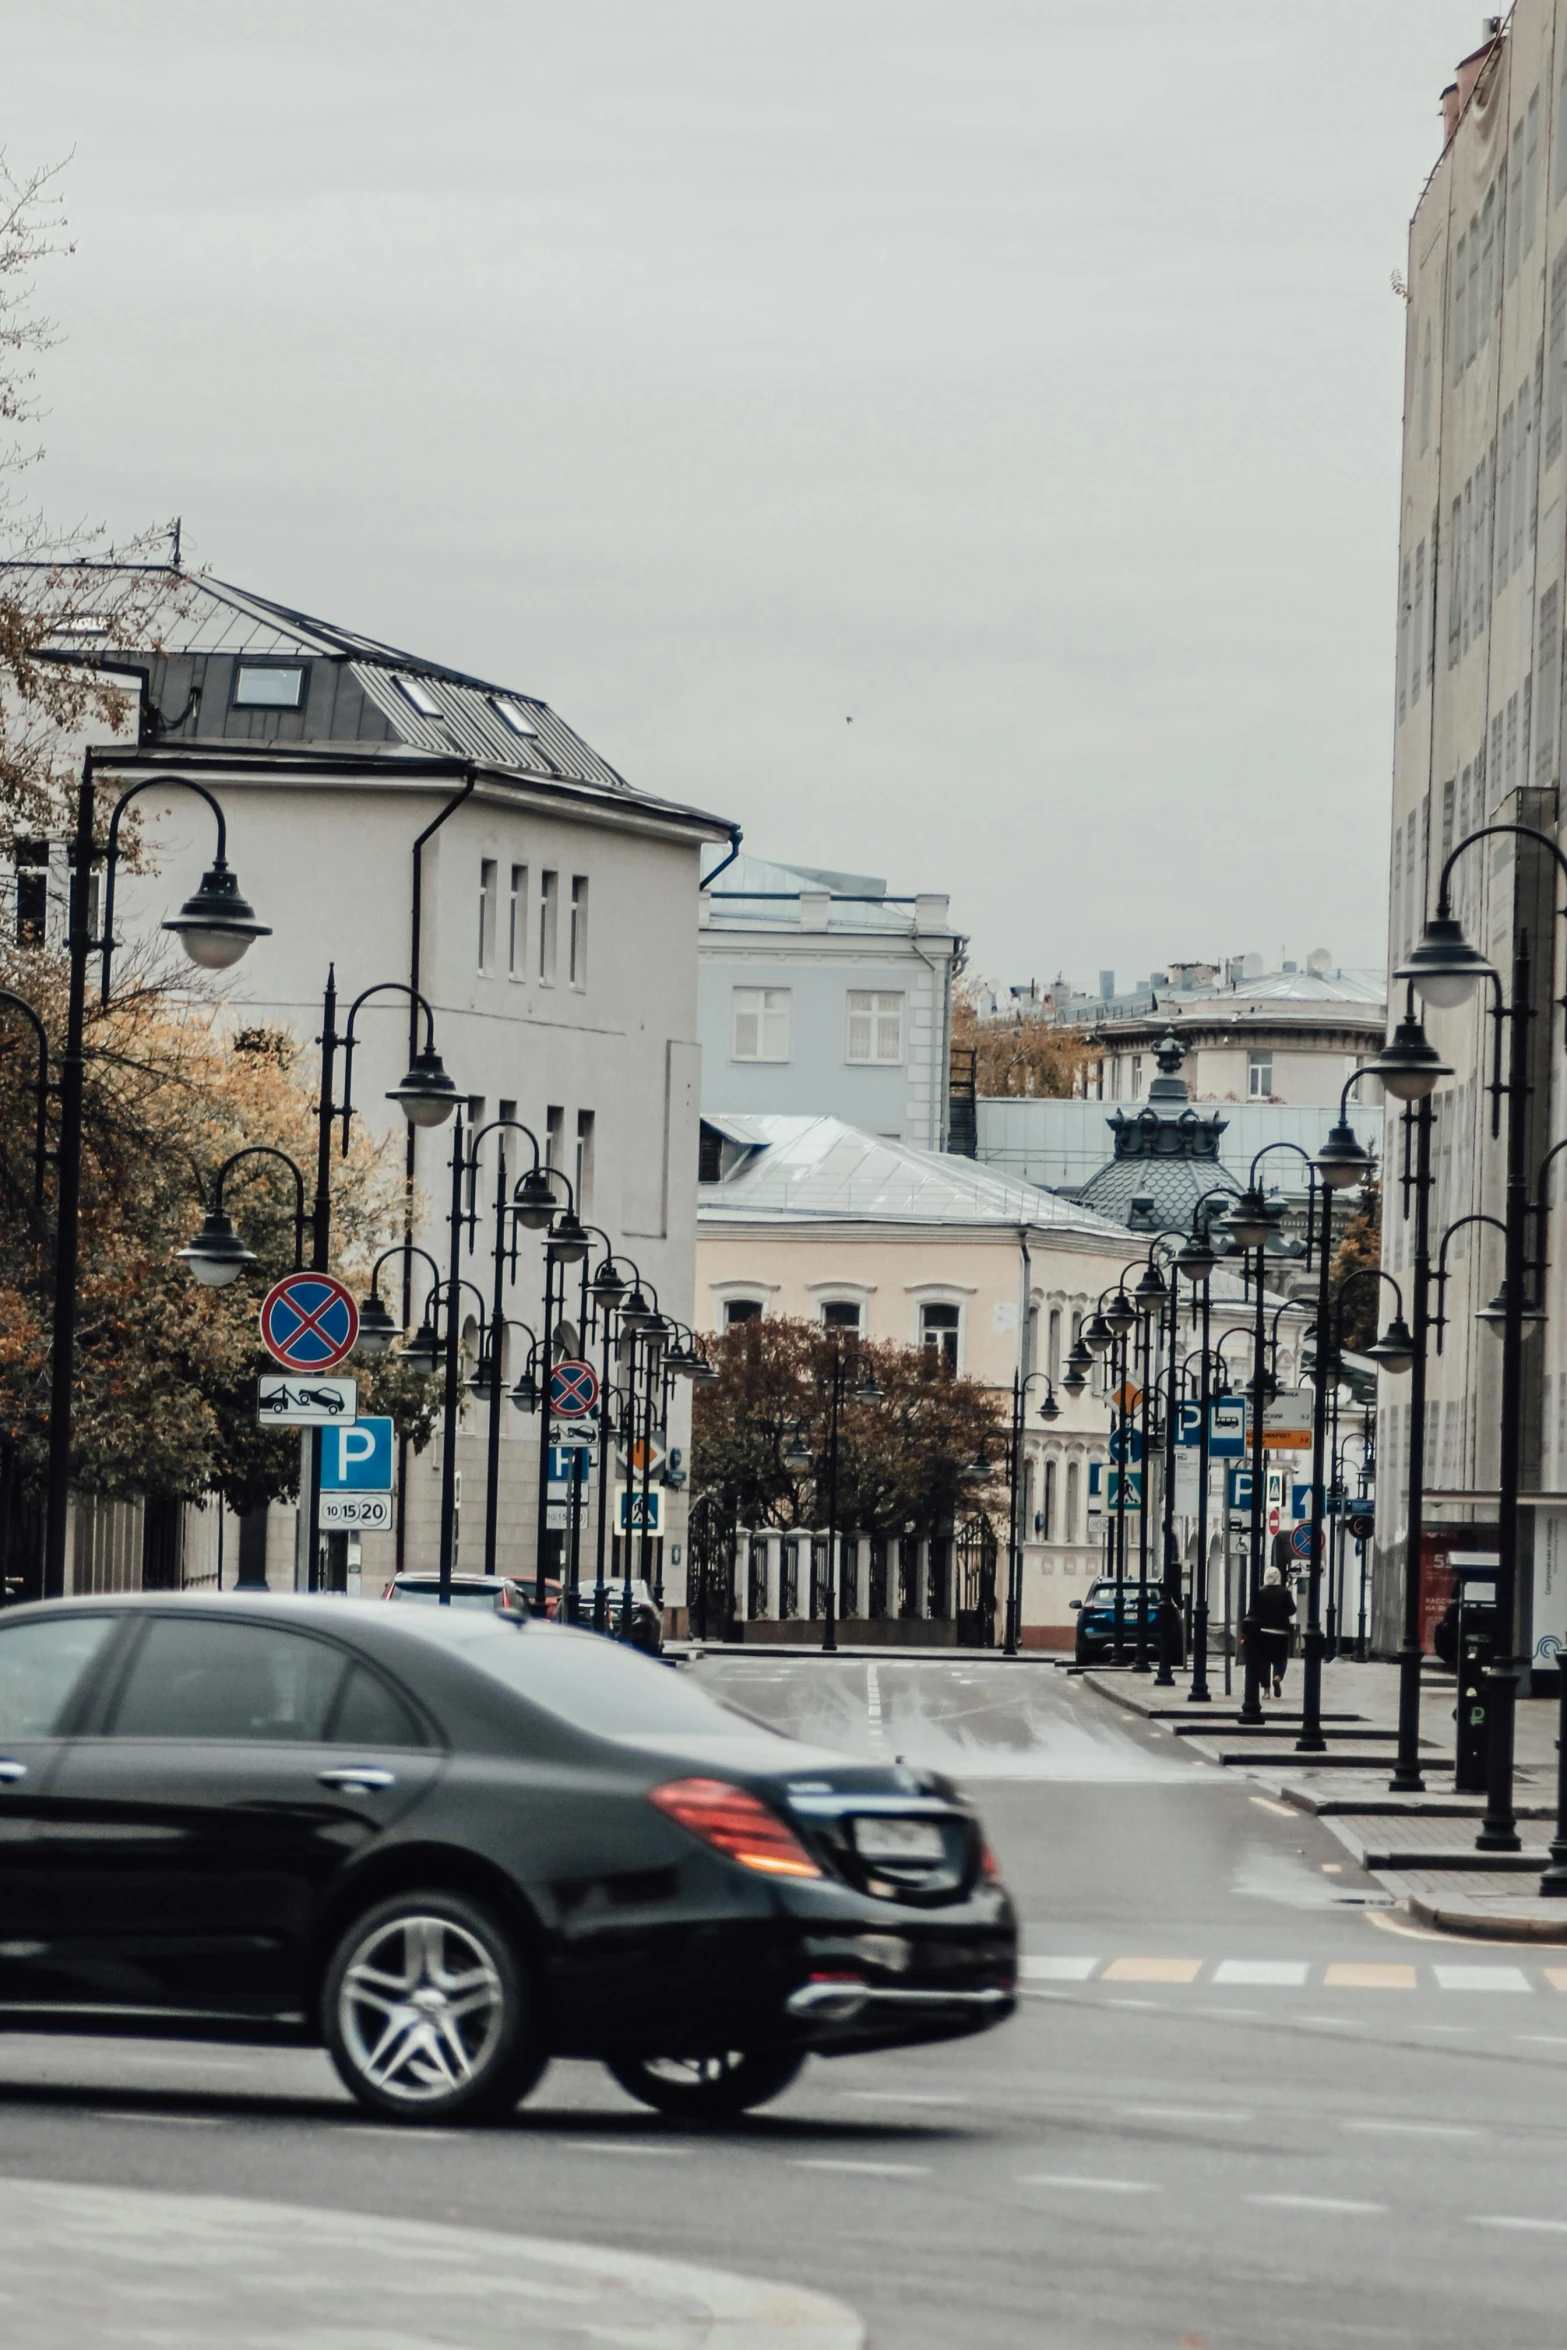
column 358, row 1459
column 362, row 1513
column 1286, row 1424
column 309, row 1322
column 305, row 1403
column 1134, row 1444
column 1226, row 1427
column 574, row 1390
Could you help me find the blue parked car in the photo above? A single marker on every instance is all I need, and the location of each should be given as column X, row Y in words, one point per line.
column 1096, row 1619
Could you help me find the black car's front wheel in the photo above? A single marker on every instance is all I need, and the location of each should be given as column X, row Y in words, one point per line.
column 707, row 2088
column 428, row 2011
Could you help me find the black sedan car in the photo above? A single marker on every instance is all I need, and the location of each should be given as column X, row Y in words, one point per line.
column 449, row 1843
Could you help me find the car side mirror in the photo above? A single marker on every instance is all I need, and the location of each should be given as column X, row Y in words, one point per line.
column 1074, row 1603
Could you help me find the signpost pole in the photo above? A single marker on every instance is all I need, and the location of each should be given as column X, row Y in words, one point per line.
column 1198, row 1693
column 1407, row 1777
column 320, row 1256
column 453, row 1351
column 1140, row 1662
column 546, row 1368
column 492, row 1457
column 1251, row 1699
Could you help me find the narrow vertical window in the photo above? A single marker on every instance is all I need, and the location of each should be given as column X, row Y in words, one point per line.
column 1515, row 201
column 577, row 941
column 1487, row 264
column 1448, row 796
column 554, row 1134
column 1053, row 1342
column 1047, row 1531
column 32, row 892
column 1504, row 503
column 1403, row 639
column 487, row 871
column 1459, row 305
column 1417, row 624
column 549, row 907
column 1555, row 338
column 1472, row 298
column 517, row 923
column 584, row 1175
column 1425, row 391
column 1454, row 589
column 1547, row 665
column 1073, row 1489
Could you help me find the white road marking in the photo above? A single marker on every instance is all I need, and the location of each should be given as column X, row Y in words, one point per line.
column 1542, row 2039
column 1090, row 2186
column 1284, row 1811
column 878, row 2170
column 183, row 2121
column 1314, row 2203
column 1152, row 2005
column 617, row 2146
column 873, row 1704
column 1334, row 2023
column 1234, row 2015
column 1482, row 1978
column 1025, row 1993
column 1056, row 1970
column 1186, row 2113
column 1412, row 2129
column 1261, row 1970
column 1545, row 2227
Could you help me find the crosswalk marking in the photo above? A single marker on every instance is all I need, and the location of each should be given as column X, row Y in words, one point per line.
column 1289, row 1971
column 1355, row 1975
column 1153, row 1970
column 1287, row 1974
column 1482, row 1978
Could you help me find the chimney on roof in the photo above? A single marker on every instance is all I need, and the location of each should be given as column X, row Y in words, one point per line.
column 1461, row 88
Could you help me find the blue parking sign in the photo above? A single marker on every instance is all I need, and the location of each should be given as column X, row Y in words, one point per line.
column 357, row 1459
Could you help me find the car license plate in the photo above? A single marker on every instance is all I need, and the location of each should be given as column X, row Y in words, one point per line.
column 898, row 1840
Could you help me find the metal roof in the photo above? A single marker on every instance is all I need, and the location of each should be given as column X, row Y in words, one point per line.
column 803, row 1170
column 194, row 616
column 856, row 901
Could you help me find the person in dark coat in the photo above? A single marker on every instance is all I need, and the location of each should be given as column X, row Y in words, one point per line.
column 1275, row 1630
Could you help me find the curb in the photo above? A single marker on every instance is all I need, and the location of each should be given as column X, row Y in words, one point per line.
column 1482, row 1925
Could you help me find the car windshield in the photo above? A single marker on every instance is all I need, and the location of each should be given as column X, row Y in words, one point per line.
column 613, row 1692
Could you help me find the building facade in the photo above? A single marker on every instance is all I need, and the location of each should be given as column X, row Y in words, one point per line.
column 1478, row 730
column 398, row 821
column 822, row 994
column 1289, row 1037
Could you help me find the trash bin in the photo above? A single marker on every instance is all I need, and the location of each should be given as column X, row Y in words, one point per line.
column 1474, row 1650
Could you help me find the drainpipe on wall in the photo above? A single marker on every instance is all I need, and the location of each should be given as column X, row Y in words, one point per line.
column 416, row 941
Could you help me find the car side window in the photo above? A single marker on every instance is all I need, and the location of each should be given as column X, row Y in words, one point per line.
column 41, row 1666
column 371, row 1714
column 196, row 1677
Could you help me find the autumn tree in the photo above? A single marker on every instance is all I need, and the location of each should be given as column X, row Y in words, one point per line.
column 903, row 1462
column 1020, row 1050
column 1360, row 1250
column 165, row 1376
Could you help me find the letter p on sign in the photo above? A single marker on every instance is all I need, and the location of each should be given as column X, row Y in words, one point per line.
column 357, row 1459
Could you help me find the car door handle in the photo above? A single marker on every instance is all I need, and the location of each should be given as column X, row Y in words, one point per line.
column 10, row 1771
column 360, row 1778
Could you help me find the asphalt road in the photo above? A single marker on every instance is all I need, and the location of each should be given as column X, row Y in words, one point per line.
column 1243, row 2103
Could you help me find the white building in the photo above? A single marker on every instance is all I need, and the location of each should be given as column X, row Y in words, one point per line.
column 406, row 822
column 820, row 993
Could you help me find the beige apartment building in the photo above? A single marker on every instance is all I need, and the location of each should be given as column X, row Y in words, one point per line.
column 810, row 1218
column 1478, row 740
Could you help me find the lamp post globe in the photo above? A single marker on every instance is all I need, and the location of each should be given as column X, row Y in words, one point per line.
column 427, row 1095
column 215, row 926
column 568, row 1243
column 422, row 1351
column 525, row 1393
column 533, row 1203
column 1444, row 968
column 1098, row 1335
column 1409, row 1065
column 377, row 1329
column 1196, row 1259
column 1050, row 1409
column 1395, row 1350
column 217, row 1255
column 1121, row 1314
column 1252, row 1219
column 1343, row 1161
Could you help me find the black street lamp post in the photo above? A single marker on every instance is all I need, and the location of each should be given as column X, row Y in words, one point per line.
column 1444, row 968
column 1012, row 1633
column 215, row 927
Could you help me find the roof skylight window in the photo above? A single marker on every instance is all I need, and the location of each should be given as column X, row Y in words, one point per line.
column 515, row 717
column 421, row 697
column 85, row 624
column 269, row 685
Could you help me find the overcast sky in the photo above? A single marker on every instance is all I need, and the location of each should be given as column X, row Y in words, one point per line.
column 956, row 438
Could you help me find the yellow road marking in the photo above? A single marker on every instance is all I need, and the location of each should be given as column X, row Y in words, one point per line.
column 1351, row 1975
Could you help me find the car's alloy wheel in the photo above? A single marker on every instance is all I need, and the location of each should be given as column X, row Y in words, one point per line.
column 427, row 2011
column 707, row 2088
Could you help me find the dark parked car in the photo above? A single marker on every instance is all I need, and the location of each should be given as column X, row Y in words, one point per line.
column 449, row 1843
column 1096, row 1619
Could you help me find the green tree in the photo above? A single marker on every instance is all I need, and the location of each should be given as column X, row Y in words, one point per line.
column 903, row 1462
column 1360, row 1250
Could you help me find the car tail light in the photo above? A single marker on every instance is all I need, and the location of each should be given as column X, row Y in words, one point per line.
column 737, row 1824
column 989, row 1866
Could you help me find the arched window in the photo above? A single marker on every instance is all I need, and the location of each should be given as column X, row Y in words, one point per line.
column 1073, row 1484
column 1053, row 1342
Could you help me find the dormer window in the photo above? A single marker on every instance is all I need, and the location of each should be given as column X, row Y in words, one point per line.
column 269, row 685
column 421, row 697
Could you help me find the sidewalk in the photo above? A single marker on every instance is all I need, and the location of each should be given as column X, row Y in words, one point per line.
column 1420, row 1847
